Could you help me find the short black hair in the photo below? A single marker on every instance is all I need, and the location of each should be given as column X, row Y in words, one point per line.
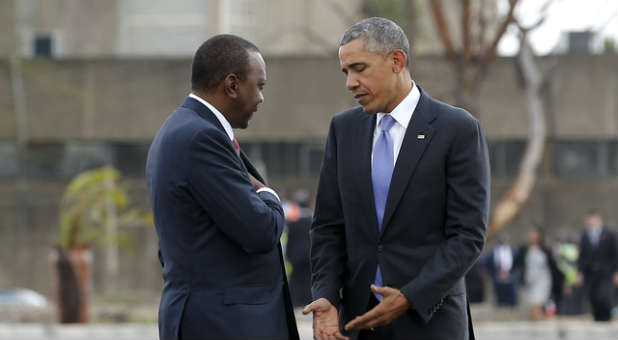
column 593, row 211
column 541, row 230
column 217, row 57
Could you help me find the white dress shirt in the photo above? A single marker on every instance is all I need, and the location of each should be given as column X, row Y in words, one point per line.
column 503, row 257
column 226, row 125
column 228, row 129
column 402, row 114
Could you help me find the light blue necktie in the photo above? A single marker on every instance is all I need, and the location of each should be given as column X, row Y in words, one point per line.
column 381, row 173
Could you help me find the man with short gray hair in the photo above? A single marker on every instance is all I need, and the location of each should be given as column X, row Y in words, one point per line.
column 402, row 202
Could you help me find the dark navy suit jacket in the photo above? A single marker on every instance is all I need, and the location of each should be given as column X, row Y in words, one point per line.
column 434, row 223
column 218, row 239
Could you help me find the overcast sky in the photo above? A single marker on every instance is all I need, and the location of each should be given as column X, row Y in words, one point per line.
column 563, row 15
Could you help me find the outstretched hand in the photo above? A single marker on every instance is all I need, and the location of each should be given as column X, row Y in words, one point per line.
column 325, row 320
column 393, row 304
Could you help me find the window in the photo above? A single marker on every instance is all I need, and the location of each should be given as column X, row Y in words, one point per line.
column 79, row 157
column 43, row 46
column 40, row 161
column 585, row 159
column 284, row 160
column 504, row 157
column 9, row 165
column 130, row 159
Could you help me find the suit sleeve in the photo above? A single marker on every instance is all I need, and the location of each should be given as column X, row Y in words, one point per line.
column 328, row 247
column 582, row 259
column 222, row 187
column 613, row 236
column 467, row 205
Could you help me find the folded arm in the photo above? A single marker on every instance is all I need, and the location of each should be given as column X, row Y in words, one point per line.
column 221, row 185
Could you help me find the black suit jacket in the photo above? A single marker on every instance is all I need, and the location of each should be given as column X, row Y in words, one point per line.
column 434, row 225
column 600, row 261
column 297, row 253
column 218, row 239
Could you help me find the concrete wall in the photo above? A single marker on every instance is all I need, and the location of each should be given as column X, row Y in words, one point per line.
column 7, row 27
column 129, row 99
column 96, row 20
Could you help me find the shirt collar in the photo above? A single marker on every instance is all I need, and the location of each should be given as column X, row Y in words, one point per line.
column 402, row 113
column 226, row 125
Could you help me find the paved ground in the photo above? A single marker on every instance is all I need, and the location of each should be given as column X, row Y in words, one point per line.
column 118, row 323
column 557, row 329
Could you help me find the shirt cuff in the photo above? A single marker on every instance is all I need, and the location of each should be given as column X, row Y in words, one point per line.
column 267, row 189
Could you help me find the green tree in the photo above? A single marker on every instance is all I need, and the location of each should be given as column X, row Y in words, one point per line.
column 94, row 206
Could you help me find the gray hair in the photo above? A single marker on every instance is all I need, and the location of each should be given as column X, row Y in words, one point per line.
column 381, row 35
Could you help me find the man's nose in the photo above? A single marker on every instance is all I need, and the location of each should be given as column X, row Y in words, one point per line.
column 351, row 82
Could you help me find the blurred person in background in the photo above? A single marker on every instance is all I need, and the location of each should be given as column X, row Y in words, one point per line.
column 218, row 225
column 499, row 265
column 598, row 265
column 298, row 250
column 566, row 253
column 541, row 281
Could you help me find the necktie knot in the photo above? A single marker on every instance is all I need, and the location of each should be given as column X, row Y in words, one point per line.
column 387, row 122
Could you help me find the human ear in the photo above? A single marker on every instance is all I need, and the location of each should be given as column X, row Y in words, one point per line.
column 399, row 59
column 231, row 82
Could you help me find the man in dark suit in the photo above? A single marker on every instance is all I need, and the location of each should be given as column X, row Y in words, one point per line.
column 218, row 225
column 297, row 250
column 402, row 202
column 598, row 265
column 499, row 265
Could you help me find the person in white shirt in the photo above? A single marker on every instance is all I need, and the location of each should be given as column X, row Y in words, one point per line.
column 218, row 225
column 402, row 202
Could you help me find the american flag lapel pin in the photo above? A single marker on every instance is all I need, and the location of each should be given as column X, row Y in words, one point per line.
column 420, row 136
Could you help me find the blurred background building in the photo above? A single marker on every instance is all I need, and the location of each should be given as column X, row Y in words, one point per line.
column 146, row 29
column 86, row 83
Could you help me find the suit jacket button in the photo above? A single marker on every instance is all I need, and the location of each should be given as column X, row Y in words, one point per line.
column 380, row 248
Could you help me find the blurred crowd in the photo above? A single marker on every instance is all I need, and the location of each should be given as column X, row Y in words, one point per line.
column 576, row 274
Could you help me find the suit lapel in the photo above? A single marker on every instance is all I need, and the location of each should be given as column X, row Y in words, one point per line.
column 418, row 136
column 363, row 154
column 204, row 112
column 250, row 168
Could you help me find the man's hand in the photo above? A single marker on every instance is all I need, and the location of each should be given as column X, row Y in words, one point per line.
column 393, row 304
column 256, row 184
column 325, row 320
column 616, row 279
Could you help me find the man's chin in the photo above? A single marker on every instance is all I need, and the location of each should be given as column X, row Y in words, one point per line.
column 369, row 110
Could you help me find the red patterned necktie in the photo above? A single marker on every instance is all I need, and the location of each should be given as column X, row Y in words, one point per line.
column 236, row 146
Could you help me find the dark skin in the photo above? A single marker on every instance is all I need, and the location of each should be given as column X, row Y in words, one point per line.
column 379, row 83
column 325, row 315
column 238, row 98
column 393, row 304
